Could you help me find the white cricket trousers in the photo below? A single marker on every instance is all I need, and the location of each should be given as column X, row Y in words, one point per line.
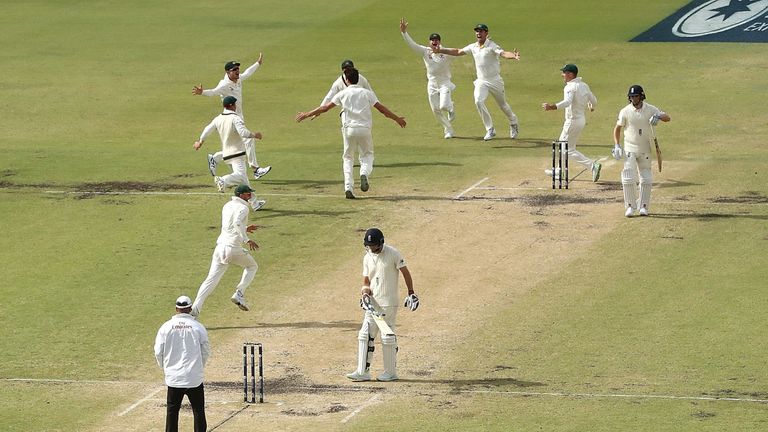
column 441, row 103
column 571, row 132
column 223, row 256
column 496, row 89
column 360, row 139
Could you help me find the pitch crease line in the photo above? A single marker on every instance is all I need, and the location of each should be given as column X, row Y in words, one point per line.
column 365, row 404
column 139, row 402
column 470, row 188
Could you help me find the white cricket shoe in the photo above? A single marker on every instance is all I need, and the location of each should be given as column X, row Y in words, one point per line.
column 357, row 377
column 596, row 167
column 240, row 301
column 451, row 115
column 514, row 129
column 260, row 172
column 630, row 212
column 386, row 377
column 489, row 135
column 643, row 211
column 219, row 183
column 448, row 135
column 212, row 164
column 256, row 205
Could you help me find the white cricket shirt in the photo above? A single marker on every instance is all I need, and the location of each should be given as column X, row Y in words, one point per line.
column 637, row 127
column 234, row 221
column 576, row 96
column 182, row 349
column 356, row 103
column 383, row 270
column 486, row 59
column 227, row 87
column 340, row 85
column 438, row 65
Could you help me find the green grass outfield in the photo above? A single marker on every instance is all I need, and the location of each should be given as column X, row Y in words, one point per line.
column 99, row 93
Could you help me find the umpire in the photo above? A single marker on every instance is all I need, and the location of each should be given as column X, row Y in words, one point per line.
column 182, row 349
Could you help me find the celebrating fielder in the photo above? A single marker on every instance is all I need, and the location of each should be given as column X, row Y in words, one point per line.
column 486, row 54
column 439, row 85
column 577, row 98
column 381, row 265
column 637, row 119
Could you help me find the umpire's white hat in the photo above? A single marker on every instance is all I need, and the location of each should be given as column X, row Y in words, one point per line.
column 183, row 302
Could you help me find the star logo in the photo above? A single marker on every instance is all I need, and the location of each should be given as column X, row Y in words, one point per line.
column 732, row 8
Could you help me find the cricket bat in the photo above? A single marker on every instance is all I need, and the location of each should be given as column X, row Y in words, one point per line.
column 373, row 307
column 658, row 149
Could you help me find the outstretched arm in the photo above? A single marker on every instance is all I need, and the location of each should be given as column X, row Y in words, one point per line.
column 513, row 55
column 389, row 114
column 315, row 112
column 449, row 51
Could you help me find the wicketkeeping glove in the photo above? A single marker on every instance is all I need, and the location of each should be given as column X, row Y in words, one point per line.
column 617, row 152
column 412, row 302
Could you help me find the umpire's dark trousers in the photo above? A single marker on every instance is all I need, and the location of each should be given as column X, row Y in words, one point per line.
column 196, row 398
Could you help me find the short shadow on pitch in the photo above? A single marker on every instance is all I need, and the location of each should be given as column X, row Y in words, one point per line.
column 399, row 198
column 462, row 384
column 305, row 183
column 520, row 143
column 268, row 213
column 350, row 325
column 707, row 217
column 417, row 164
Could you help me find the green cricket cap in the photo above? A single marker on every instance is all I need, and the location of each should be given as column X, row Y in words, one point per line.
column 570, row 67
column 242, row 189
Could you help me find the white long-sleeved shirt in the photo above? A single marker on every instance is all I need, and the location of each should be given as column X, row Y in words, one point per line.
column 486, row 57
column 232, row 132
column 182, row 349
column 356, row 103
column 340, row 85
column 227, row 87
column 234, row 221
column 438, row 65
column 383, row 271
column 576, row 97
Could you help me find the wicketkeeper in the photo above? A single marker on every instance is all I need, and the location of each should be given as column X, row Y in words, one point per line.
column 381, row 265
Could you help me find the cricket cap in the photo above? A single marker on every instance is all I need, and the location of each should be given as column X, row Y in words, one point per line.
column 570, row 67
column 183, row 302
column 481, row 27
column 434, row 36
column 347, row 64
column 231, row 65
column 242, row 189
column 229, row 100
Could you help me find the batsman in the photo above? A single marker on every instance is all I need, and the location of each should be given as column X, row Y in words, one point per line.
column 379, row 297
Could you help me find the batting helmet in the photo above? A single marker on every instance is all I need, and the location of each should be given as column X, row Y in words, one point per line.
column 636, row 90
column 373, row 236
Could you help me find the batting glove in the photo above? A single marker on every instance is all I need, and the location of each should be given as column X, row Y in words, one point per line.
column 411, row 302
column 617, row 152
column 655, row 119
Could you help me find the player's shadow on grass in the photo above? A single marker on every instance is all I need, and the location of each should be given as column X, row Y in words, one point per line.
column 347, row 324
column 306, row 184
column 707, row 217
column 417, row 164
column 521, row 143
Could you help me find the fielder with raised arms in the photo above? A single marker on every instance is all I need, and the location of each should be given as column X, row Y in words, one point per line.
column 637, row 119
column 381, row 265
column 439, row 85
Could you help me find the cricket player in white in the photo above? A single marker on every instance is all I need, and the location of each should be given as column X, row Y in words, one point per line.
column 230, row 250
column 577, row 98
column 382, row 265
column 637, row 119
column 439, row 84
column 341, row 83
column 233, row 134
column 182, row 350
column 486, row 54
column 357, row 122
column 232, row 85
